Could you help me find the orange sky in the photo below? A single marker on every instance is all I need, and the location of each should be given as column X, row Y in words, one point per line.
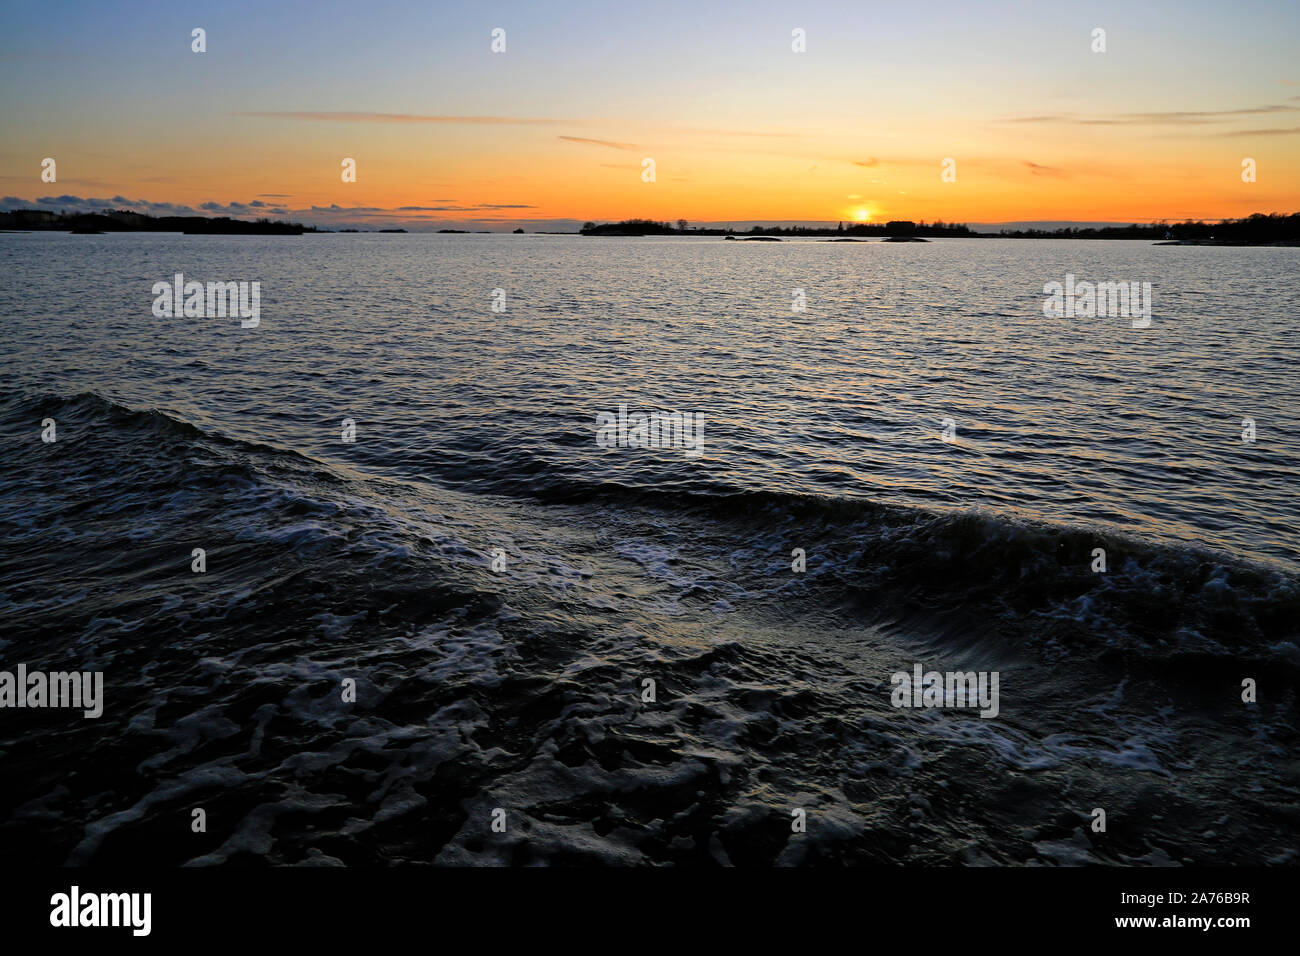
column 741, row 126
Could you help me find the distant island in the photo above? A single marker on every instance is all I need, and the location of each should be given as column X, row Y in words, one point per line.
column 1260, row 229
column 1256, row 230
column 900, row 228
column 123, row 220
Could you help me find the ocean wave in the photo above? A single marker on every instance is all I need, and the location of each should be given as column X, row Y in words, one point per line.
column 478, row 690
column 968, row 575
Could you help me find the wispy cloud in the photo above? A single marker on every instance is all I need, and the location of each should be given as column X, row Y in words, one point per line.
column 1173, row 118
column 1281, row 131
column 874, row 162
column 598, row 142
column 70, row 203
column 344, row 116
column 476, row 208
column 366, row 116
column 334, row 215
column 1040, row 170
column 694, row 131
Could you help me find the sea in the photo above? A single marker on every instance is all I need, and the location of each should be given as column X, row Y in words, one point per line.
column 369, row 585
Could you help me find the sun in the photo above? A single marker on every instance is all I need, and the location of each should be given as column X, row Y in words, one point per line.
column 861, row 215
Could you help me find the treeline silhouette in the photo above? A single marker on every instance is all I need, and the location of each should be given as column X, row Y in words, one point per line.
column 1258, row 228
column 124, row 220
column 897, row 227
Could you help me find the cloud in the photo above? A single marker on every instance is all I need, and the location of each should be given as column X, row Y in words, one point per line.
column 333, row 216
column 1285, row 131
column 1174, row 118
column 68, row 203
column 230, row 208
column 599, row 142
column 1039, row 170
column 693, row 131
column 874, row 162
column 363, row 116
column 462, row 208
column 344, row 116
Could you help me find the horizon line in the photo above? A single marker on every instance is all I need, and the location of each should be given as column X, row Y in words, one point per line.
column 280, row 214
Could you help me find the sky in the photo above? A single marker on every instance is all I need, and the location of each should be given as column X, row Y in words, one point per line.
column 555, row 130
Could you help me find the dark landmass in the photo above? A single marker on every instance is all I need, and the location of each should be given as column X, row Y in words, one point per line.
column 904, row 239
column 755, row 238
column 630, row 227
column 898, row 227
column 123, row 220
column 1226, row 242
column 1256, row 230
column 198, row 226
column 1277, row 229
